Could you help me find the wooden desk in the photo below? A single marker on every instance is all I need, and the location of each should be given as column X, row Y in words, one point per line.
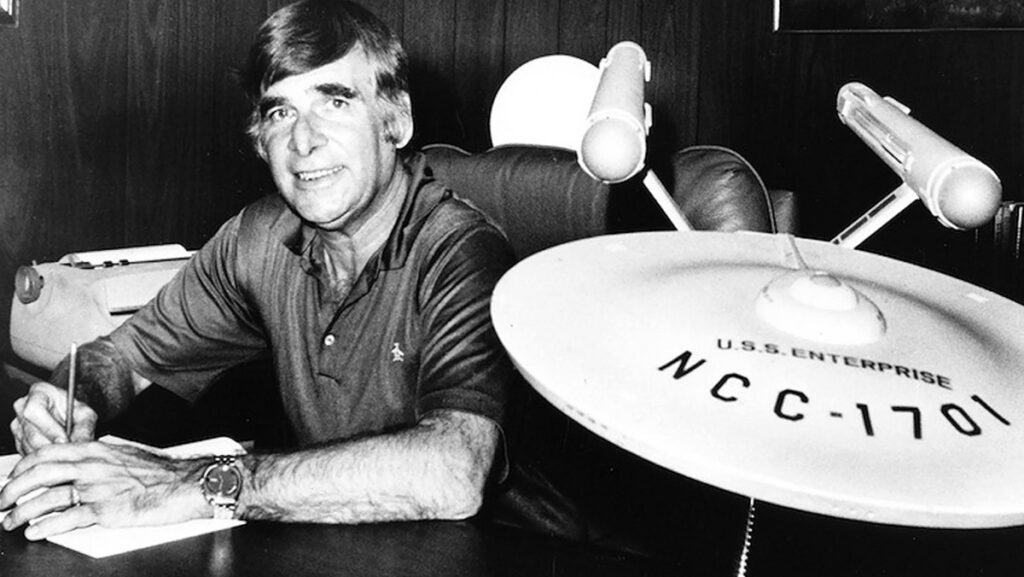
column 785, row 543
column 256, row 549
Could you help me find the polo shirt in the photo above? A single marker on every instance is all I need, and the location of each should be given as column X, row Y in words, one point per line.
column 412, row 336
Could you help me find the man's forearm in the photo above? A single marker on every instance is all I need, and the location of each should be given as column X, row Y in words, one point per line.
column 435, row 470
column 103, row 378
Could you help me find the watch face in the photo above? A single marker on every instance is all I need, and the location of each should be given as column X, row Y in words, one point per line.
column 222, row 480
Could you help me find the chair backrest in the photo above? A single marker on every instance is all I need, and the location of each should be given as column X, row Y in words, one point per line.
column 540, row 197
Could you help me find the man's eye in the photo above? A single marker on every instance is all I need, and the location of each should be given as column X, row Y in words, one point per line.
column 339, row 103
column 276, row 115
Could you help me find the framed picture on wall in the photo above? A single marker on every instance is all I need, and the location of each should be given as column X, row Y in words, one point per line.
column 897, row 15
column 8, row 12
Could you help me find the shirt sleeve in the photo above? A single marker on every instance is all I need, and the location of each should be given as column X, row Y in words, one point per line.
column 463, row 365
column 198, row 325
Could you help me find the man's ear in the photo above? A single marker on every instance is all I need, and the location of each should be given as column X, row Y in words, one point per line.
column 401, row 128
column 254, row 133
column 257, row 144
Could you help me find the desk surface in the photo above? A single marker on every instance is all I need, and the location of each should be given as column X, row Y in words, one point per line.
column 408, row 549
column 784, row 543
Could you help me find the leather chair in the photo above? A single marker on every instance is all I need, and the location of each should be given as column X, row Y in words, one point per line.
column 540, row 197
column 565, row 481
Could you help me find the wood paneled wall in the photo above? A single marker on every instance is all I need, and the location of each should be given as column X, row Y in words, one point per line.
column 120, row 124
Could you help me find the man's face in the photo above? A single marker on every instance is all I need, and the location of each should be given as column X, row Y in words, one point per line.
column 323, row 135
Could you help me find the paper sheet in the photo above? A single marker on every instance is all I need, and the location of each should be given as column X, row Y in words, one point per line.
column 99, row 541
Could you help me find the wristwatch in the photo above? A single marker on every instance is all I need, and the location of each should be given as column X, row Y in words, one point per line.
column 222, row 484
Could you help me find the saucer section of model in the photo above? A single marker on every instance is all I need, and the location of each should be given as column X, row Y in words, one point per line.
column 676, row 347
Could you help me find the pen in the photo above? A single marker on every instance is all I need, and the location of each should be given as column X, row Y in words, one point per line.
column 69, row 417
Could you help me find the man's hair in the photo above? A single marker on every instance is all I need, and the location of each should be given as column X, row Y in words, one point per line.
column 309, row 34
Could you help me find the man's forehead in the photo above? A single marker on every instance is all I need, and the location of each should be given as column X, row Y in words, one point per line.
column 350, row 76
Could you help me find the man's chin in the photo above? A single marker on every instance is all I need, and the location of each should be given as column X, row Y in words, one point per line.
column 324, row 223
column 318, row 218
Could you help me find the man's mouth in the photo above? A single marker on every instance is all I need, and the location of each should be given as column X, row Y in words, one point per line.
column 311, row 175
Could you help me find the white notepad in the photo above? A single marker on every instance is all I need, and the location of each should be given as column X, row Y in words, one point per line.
column 99, row 541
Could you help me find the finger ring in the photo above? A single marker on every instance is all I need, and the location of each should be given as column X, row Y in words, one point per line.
column 76, row 499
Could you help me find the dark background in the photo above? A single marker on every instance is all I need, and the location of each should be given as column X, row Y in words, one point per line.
column 120, row 123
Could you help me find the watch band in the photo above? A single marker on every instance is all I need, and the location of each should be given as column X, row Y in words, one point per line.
column 222, row 512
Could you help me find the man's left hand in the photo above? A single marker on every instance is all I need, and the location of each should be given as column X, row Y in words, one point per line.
column 67, row 486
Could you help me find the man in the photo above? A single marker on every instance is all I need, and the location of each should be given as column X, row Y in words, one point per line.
column 366, row 283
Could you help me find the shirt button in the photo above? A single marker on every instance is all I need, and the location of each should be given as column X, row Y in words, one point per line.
column 328, row 340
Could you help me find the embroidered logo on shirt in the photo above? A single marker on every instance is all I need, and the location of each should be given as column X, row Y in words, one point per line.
column 397, row 355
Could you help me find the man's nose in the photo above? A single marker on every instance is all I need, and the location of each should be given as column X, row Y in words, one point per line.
column 306, row 135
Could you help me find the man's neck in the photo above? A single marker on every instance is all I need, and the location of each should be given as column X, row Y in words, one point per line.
column 348, row 251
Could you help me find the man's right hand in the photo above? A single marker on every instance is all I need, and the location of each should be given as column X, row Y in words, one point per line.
column 40, row 416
